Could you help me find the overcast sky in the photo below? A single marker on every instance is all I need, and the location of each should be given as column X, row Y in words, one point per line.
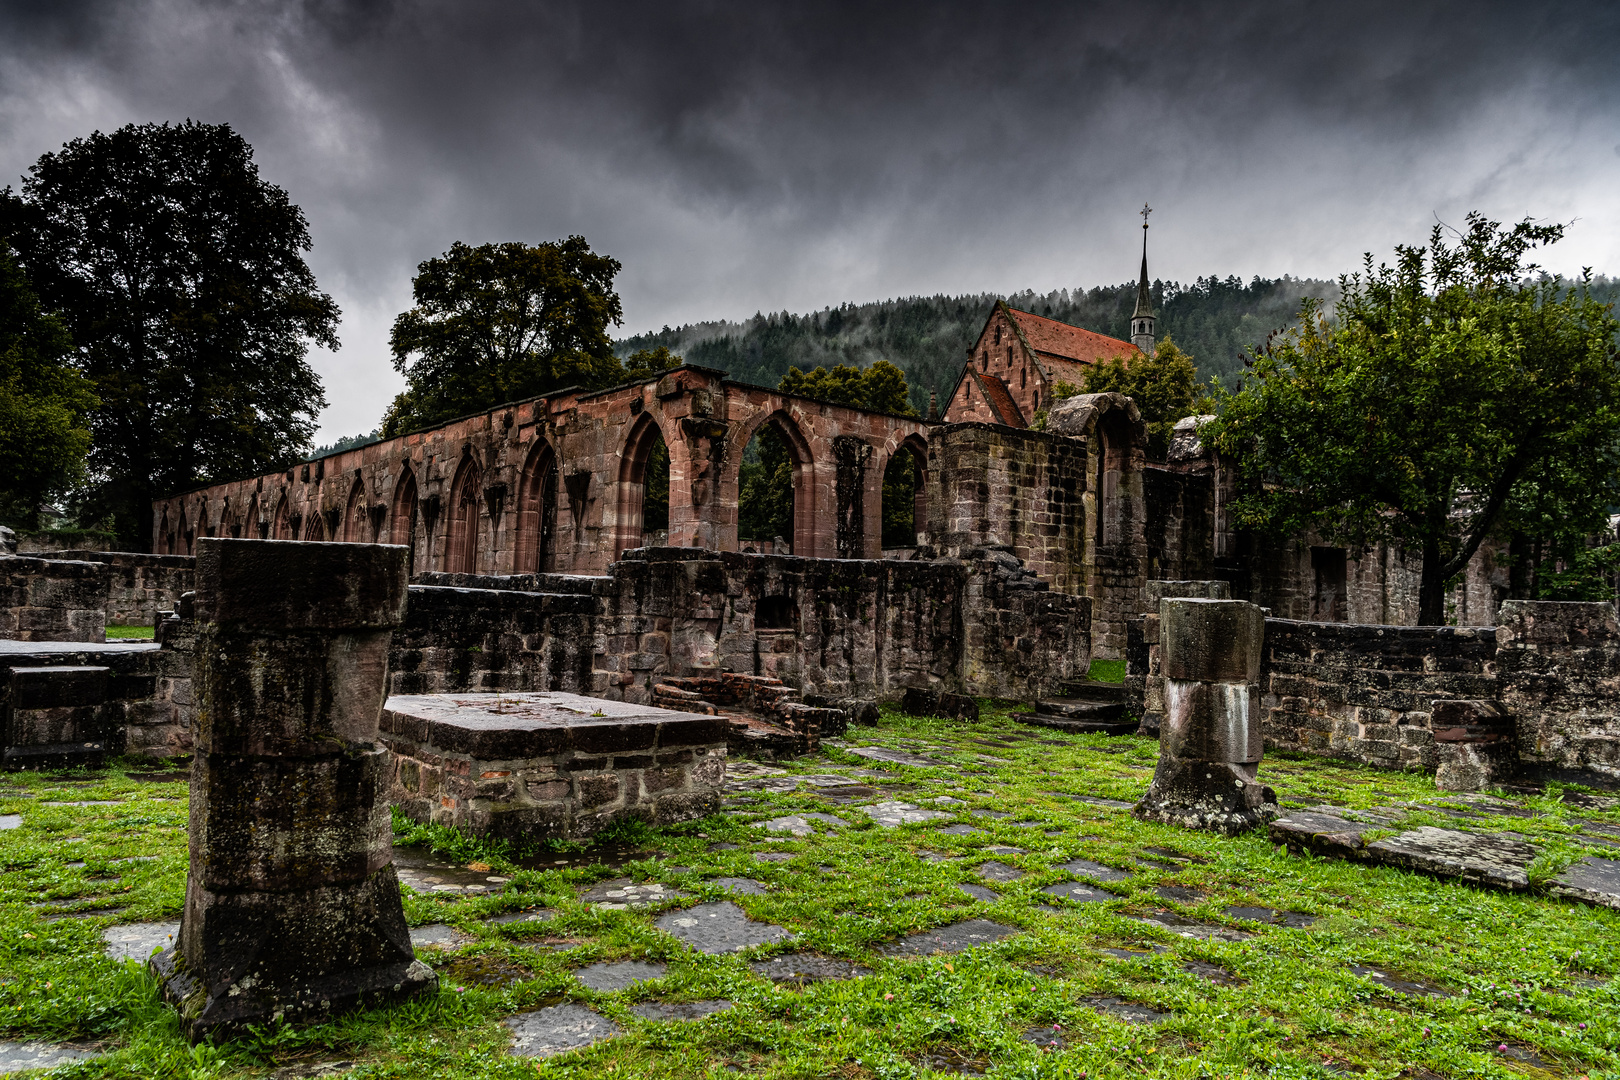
column 767, row 156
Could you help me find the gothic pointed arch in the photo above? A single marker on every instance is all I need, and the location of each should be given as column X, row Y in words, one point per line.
column 402, row 518
column 629, row 514
column 536, row 510
column 355, row 527
column 804, row 476
column 280, row 525
column 905, row 487
column 461, row 548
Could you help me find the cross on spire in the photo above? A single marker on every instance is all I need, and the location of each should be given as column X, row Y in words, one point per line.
column 1145, row 211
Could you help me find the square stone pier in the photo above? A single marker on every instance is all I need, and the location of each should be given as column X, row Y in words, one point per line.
column 550, row 764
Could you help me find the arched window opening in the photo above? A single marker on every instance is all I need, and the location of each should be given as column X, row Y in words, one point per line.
column 998, row 333
column 250, row 526
column 312, row 526
column 281, row 528
column 461, row 554
column 1113, row 439
column 774, row 497
column 354, row 516
column 537, row 510
column 905, row 496
column 402, row 526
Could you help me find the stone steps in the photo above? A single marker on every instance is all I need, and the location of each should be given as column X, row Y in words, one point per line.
column 1087, row 690
column 1080, row 716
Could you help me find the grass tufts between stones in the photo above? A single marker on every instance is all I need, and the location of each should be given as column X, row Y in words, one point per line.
column 1504, row 981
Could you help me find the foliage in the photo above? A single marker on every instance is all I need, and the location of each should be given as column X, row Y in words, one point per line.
column 647, row 363
column 180, row 274
column 44, row 402
column 1451, row 388
column 502, row 322
column 1163, row 385
column 1586, row 573
column 346, row 442
column 880, row 387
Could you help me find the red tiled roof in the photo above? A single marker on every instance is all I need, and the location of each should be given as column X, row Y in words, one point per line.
column 1068, row 352
column 1001, row 402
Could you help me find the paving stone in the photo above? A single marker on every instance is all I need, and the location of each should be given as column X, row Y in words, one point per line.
column 1178, row 894
column 680, row 1010
column 1595, row 881
column 1327, row 835
column 1296, row 919
column 1192, row 928
column 438, row 936
column 953, row 1062
column 1004, row 849
column 895, row 757
column 1026, row 824
column 1094, row 871
column 1136, row 955
column 1213, row 972
column 622, row 894
column 525, row 917
column 1481, row 858
column 979, row 892
column 21, row 1056
column 137, row 941
column 947, row 800
column 801, row 969
column 87, row 802
column 994, row 815
column 719, row 927
column 1111, row 804
column 892, row 814
column 800, row 824
column 14, row 821
column 558, row 1029
column 1398, row 984
column 775, row 856
column 999, row 871
column 1080, row 894
column 959, row 830
column 954, row 938
column 741, row 885
column 937, row 857
column 725, row 846
column 1045, row 1037
column 1172, row 853
column 1128, row 1011
column 610, row 977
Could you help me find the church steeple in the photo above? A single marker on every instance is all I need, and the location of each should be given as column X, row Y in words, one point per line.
column 1143, row 321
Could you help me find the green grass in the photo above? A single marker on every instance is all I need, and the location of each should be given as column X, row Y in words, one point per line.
column 1107, row 671
column 122, row 633
column 1526, row 970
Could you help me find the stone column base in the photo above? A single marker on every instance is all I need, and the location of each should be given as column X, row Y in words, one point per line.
column 1216, row 796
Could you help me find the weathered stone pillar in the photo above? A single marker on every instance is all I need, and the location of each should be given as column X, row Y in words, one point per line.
column 292, row 906
column 1210, row 743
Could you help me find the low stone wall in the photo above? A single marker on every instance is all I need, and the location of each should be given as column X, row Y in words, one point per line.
column 53, row 599
column 1559, row 666
column 550, row 765
column 492, row 639
column 141, row 585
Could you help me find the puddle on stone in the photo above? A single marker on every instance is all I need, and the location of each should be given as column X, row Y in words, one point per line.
column 19, row 1056
column 622, row 894
column 999, row 871
column 1298, row 920
column 1397, row 984
column 1079, row 893
column 680, row 1010
column 485, row 969
column 801, row 969
column 1095, row 871
column 741, row 886
column 979, row 892
column 1128, row 1011
column 438, row 936
column 720, row 927
column 557, row 1029
column 953, row 938
column 612, row 976
column 138, row 941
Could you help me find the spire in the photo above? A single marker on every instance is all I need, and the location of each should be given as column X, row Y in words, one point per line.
column 1142, row 319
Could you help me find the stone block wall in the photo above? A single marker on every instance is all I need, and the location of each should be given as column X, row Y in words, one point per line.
column 1559, row 666
column 140, row 585
column 146, row 707
column 456, row 639
column 53, row 599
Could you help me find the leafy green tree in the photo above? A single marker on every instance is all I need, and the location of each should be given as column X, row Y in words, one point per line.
column 880, row 387
column 180, row 275
column 502, row 322
column 646, row 363
column 1163, row 385
column 44, row 402
column 1448, row 389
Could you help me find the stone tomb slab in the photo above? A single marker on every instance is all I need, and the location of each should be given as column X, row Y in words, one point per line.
column 680, row 1010
column 1593, row 881
column 550, row 764
column 16, row 1057
column 719, row 927
column 557, row 1029
column 801, row 824
column 890, row 815
column 1491, row 859
column 1079, row 893
column 895, row 757
column 955, row 938
column 1095, row 871
column 608, row 978
column 999, row 871
column 138, row 941
column 801, row 969
column 622, row 894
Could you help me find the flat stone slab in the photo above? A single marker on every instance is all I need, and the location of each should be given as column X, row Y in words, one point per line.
column 979, row 892
column 894, row 757
column 1213, row 972
column 892, row 814
column 438, row 936
column 741, row 885
column 774, row 856
column 557, row 1029
column 618, row 975
column 1094, row 871
column 507, row 727
column 1191, row 928
column 14, row 821
column 801, row 969
column 1295, row 919
column 800, row 824
column 1178, row 894
column 993, row 815
column 18, row 1057
column 1004, row 849
column 719, row 927
column 1593, row 881
column 1111, row 804
column 1482, row 858
column 959, row 830
column 999, row 871
column 955, row 938
column 1128, row 1011
column 680, row 1010
column 1327, row 835
column 1044, row 1037
column 622, row 894
column 1079, row 893
column 1136, row 956
column 517, row 919
column 138, row 941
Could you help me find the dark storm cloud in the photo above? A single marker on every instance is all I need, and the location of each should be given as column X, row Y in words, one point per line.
column 747, row 156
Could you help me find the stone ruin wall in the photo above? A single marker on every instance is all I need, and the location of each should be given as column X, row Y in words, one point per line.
column 139, row 586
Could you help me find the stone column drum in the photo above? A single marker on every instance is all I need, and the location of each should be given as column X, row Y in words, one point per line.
column 1210, row 743
column 292, row 904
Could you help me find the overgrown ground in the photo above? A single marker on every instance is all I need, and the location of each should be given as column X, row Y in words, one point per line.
column 1530, row 979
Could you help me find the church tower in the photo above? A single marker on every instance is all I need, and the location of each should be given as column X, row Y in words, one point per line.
column 1142, row 320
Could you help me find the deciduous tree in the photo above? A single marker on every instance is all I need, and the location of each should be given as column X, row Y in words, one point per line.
column 1163, row 385
column 1444, row 390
